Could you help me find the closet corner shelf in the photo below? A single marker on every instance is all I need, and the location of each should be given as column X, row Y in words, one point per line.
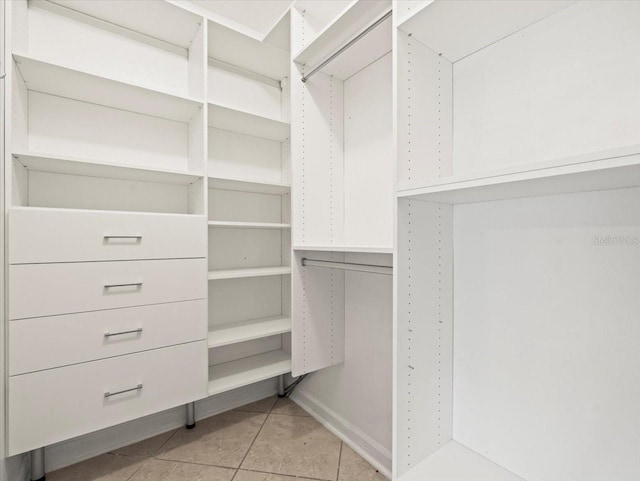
column 355, row 17
column 249, row 370
column 362, row 249
column 251, row 272
column 455, row 462
column 248, row 225
column 53, row 79
column 248, row 330
column 612, row 169
column 57, row 164
column 227, row 118
column 248, row 185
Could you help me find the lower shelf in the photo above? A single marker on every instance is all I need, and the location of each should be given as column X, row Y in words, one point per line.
column 248, row 330
column 235, row 374
column 455, row 462
column 250, row 272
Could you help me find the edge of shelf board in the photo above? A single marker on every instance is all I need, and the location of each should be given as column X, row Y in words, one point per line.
column 248, row 330
column 224, row 117
column 248, row 272
column 456, row 462
column 248, row 225
column 58, row 164
column 242, row 372
column 123, row 212
column 248, row 185
column 610, row 169
column 363, row 249
column 65, row 81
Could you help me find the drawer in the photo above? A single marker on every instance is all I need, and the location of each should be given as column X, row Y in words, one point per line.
column 50, row 289
column 47, row 342
column 50, row 406
column 59, row 235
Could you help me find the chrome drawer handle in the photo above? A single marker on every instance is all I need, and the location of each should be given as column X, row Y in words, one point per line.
column 136, row 331
column 130, row 284
column 123, row 237
column 137, row 388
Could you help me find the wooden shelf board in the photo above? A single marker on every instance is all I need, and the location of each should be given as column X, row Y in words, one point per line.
column 227, row 118
column 248, row 185
column 122, row 212
column 248, row 330
column 250, row 272
column 249, row 370
column 43, row 162
column 455, row 462
column 363, row 249
column 612, row 169
column 53, row 79
column 248, row 225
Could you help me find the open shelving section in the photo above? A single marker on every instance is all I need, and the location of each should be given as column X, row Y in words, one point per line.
column 518, row 212
column 248, row 330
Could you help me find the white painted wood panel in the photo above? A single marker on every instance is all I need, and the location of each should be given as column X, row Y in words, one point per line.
column 238, row 206
column 242, row 350
column 236, row 332
column 76, row 394
column 79, row 287
column 240, row 248
column 54, row 235
column 546, row 334
column 236, row 300
column 48, row 342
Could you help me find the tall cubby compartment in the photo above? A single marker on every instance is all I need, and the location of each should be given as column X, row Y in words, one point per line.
column 248, row 207
column 518, row 170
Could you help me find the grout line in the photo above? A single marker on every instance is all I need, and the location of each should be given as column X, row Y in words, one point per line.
column 252, row 443
column 136, row 471
column 153, row 455
column 292, row 476
column 339, row 460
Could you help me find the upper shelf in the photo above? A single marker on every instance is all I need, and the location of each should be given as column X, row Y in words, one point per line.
column 350, row 23
column 343, row 248
column 53, row 79
column 612, row 169
column 226, row 118
column 248, row 185
column 458, row 29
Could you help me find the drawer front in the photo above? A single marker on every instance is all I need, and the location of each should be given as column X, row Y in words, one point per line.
column 50, row 406
column 51, row 235
column 48, row 342
column 51, row 289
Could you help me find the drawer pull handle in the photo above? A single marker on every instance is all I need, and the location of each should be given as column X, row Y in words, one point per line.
column 133, row 331
column 130, row 284
column 123, row 237
column 137, row 388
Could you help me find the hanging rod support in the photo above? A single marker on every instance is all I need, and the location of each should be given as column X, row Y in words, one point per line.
column 346, row 46
column 348, row 266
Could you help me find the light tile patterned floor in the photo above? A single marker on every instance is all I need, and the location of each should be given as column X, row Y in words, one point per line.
column 268, row 440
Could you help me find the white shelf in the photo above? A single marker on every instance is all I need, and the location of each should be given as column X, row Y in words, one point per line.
column 53, row 79
column 249, row 370
column 248, row 330
column 363, row 249
column 226, row 118
column 251, row 272
column 42, row 162
column 248, row 225
column 613, row 169
column 455, row 462
column 248, row 185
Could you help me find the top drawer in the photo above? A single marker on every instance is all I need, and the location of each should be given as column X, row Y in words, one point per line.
column 59, row 235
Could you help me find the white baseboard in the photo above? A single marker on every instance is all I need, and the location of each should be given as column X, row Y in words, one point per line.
column 93, row 444
column 14, row 468
column 372, row 451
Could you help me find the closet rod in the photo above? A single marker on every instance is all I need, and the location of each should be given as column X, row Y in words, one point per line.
column 348, row 266
column 347, row 45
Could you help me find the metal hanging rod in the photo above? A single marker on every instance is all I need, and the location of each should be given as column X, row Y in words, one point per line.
column 347, row 45
column 348, row 266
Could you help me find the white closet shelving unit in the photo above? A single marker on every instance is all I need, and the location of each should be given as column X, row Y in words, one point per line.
column 518, row 174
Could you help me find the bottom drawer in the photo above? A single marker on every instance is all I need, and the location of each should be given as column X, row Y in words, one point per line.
column 50, row 406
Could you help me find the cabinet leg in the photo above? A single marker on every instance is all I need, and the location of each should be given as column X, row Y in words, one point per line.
column 191, row 415
column 281, row 385
column 37, row 465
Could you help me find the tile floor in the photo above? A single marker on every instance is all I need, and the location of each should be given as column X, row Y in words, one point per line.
column 268, row 440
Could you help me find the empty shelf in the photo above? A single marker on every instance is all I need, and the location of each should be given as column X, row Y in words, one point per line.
column 248, row 330
column 235, row 374
column 613, row 169
column 342, row 248
column 251, row 272
column 248, row 185
column 455, row 462
column 48, row 78
column 226, row 118
column 249, row 225
column 42, row 162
